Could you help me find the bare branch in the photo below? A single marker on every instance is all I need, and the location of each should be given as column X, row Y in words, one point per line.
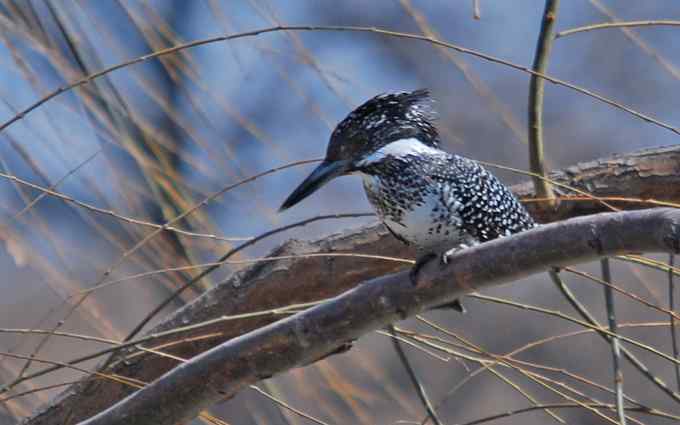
column 645, row 174
column 628, row 24
column 221, row 372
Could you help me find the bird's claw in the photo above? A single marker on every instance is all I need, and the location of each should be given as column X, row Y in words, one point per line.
column 450, row 252
column 444, row 258
column 420, row 262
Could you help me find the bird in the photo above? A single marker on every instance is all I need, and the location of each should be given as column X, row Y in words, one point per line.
column 436, row 201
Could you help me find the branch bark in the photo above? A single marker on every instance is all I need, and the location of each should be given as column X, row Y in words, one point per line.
column 645, row 174
column 221, row 372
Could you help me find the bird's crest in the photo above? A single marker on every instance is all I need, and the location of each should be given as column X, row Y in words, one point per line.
column 383, row 119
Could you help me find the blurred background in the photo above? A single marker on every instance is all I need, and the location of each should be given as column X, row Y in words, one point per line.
column 150, row 140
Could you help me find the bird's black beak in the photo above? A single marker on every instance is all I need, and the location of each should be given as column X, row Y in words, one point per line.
column 325, row 172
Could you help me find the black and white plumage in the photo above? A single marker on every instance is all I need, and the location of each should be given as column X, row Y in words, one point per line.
column 438, row 201
column 426, row 197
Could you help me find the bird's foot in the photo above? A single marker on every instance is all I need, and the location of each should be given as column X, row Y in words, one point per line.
column 455, row 304
column 450, row 252
column 420, row 262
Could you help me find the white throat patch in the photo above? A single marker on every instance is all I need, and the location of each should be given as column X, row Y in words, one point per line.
column 399, row 149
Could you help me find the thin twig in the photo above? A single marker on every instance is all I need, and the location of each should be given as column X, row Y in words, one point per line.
column 490, row 368
column 536, row 94
column 550, row 383
column 630, row 34
column 598, row 328
column 412, row 341
column 671, row 307
column 228, row 255
column 652, row 264
column 523, row 392
column 54, row 185
column 508, row 360
column 373, row 30
column 476, row 10
column 115, row 378
column 567, row 406
column 287, row 406
column 287, row 310
column 35, row 390
column 628, row 24
column 510, row 356
column 585, row 314
column 615, row 343
column 51, row 192
column 543, row 381
column 476, row 83
column 621, row 291
column 553, row 182
column 121, row 259
column 415, row 380
column 222, row 261
column 32, row 203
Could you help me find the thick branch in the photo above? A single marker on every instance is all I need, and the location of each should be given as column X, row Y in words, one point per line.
column 645, row 174
column 221, row 372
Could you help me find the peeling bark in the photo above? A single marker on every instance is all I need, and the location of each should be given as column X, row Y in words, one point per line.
column 646, row 174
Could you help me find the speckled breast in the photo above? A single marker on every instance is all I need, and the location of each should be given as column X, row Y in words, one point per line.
column 425, row 217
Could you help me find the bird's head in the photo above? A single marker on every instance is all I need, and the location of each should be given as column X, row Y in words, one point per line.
column 382, row 120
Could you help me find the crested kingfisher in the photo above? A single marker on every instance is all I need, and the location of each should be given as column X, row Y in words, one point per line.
column 426, row 197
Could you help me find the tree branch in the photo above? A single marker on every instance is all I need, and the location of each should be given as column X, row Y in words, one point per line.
column 221, row 372
column 645, row 174
column 648, row 174
column 536, row 94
